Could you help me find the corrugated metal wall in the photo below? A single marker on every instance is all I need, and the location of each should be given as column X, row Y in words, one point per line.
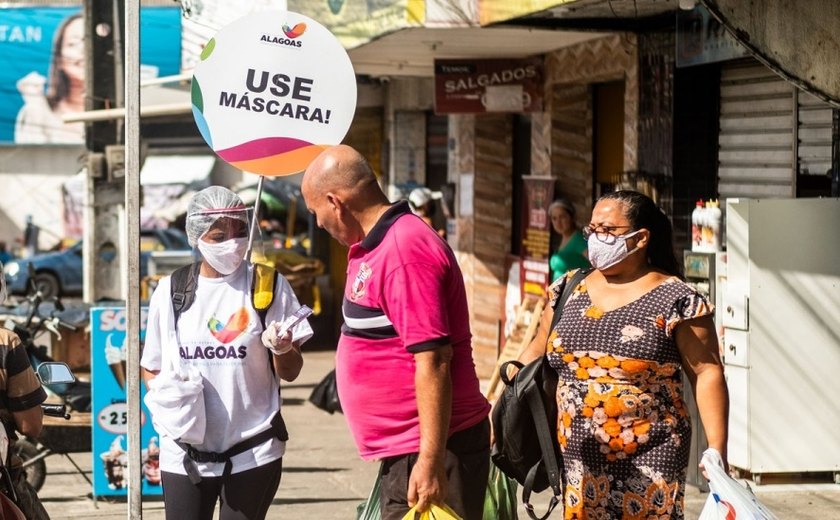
column 757, row 138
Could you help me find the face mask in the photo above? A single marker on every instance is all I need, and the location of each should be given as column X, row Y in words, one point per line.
column 225, row 256
column 603, row 256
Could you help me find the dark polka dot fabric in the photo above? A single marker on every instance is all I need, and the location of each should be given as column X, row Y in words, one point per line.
column 622, row 423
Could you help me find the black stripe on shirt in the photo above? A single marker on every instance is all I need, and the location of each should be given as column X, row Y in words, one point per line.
column 429, row 345
column 374, row 333
column 354, row 310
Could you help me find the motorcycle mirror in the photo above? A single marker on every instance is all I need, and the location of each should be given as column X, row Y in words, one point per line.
column 54, row 372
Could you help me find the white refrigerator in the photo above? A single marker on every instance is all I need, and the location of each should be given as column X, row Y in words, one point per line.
column 781, row 324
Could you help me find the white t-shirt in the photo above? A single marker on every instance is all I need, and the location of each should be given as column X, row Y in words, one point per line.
column 220, row 335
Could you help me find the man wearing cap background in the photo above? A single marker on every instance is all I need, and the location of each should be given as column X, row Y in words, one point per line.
column 421, row 200
column 404, row 367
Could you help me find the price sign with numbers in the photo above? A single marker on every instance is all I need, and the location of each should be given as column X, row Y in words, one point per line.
column 110, row 413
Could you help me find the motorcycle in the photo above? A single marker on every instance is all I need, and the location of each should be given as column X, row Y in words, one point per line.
column 13, row 499
column 55, row 438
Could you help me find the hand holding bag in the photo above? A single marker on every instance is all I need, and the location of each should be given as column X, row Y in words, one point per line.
column 176, row 400
column 433, row 513
column 728, row 498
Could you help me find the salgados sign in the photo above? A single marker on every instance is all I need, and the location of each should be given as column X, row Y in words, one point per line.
column 272, row 90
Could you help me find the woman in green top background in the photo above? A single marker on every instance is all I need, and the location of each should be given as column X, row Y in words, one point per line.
column 571, row 252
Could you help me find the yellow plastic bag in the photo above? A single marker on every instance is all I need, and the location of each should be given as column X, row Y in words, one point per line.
column 434, row 513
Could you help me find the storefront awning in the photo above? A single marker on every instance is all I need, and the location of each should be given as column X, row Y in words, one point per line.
column 412, row 52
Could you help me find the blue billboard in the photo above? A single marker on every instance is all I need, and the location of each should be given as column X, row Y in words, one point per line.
column 109, row 411
column 42, row 68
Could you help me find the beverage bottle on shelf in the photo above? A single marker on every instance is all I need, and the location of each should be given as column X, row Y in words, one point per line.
column 696, row 226
column 713, row 215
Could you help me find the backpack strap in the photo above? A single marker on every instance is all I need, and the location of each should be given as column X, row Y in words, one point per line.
column 570, row 285
column 263, row 287
column 183, row 283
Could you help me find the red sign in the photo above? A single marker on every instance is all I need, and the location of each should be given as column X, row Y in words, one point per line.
column 478, row 86
column 536, row 233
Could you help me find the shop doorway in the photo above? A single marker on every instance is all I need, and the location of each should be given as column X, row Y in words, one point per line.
column 607, row 135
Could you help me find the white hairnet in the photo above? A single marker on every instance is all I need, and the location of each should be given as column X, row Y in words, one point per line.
column 209, row 205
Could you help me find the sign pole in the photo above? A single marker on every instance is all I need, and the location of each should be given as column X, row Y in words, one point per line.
column 254, row 222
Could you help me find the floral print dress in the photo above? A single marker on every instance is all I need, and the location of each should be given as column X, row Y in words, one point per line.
column 622, row 424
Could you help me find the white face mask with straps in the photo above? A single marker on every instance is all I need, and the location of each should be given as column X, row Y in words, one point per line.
column 603, row 256
column 225, row 256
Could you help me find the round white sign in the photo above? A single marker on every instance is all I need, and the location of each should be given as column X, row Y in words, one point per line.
column 272, row 90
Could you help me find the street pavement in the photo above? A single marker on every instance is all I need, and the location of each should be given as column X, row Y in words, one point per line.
column 324, row 478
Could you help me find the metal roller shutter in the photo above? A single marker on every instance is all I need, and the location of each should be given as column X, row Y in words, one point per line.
column 757, row 140
column 814, row 152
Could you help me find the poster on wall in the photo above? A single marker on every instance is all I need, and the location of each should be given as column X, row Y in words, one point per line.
column 109, row 411
column 538, row 193
column 42, row 68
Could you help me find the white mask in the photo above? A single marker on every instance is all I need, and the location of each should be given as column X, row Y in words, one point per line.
column 603, row 256
column 225, row 256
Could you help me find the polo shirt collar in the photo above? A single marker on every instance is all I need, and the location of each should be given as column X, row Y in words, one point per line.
column 378, row 231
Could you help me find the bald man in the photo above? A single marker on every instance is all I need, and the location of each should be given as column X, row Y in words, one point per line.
column 404, row 367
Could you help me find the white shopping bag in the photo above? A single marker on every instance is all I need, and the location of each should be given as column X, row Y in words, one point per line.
column 176, row 401
column 728, row 499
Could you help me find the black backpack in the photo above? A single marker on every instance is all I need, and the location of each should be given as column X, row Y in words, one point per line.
column 524, row 420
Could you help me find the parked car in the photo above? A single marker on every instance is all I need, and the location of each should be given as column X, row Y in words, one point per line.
column 60, row 273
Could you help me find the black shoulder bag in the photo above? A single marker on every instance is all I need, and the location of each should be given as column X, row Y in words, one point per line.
column 524, row 420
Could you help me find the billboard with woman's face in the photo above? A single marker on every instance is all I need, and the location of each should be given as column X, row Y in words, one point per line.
column 42, row 68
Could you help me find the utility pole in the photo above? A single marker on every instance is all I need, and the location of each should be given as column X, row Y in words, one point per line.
column 104, row 210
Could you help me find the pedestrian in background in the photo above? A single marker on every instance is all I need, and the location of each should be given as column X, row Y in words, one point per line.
column 221, row 335
column 627, row 333
column 5, row 254
column 404, row 367
column 571, row 250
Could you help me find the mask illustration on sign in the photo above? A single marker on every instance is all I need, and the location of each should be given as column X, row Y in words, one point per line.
column 603, row 255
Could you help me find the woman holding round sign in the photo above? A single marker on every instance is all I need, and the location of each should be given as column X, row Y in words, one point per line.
column 212, row 360
column 271, row 91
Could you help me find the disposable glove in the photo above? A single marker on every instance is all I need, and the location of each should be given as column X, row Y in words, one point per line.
column 277, row 340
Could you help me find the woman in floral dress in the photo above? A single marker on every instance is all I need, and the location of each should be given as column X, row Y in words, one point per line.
column 627, row 333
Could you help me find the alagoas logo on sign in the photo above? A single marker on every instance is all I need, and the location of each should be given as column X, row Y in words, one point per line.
column 292, row 33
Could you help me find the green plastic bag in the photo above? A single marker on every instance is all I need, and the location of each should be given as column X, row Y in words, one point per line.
column 369, row 509
column 500, row 499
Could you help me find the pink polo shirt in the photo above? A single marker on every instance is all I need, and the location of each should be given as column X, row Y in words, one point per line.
column 404, row 294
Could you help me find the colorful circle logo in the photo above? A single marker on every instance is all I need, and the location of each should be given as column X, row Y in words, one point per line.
column 272, row 90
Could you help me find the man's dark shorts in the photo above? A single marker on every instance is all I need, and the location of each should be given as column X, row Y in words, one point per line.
column 467, row 465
